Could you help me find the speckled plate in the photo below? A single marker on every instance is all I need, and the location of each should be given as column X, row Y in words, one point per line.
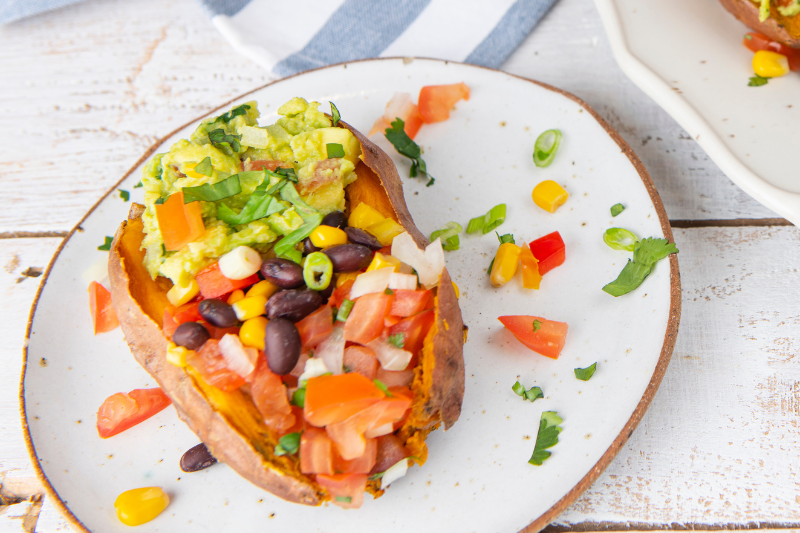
column 477, row 477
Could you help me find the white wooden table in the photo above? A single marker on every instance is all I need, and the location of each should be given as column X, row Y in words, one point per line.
column 86, row 89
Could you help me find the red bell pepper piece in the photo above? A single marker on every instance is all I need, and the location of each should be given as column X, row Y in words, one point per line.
column 213, row 284
column 549, row 251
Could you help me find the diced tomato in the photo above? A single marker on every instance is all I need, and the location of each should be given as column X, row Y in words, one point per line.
column 299, row 422
column 395, row 378
column 346, row 490
column 316, row 452
column 549, row 251
column 360, row 465
column 104, row 317
column 390, row 452
column 756, row 42
column 121, row 411
column 548, row 339
column 179, row 223
column 261, row 164
column 331, row 399
column 407, row 303
column 349, row 436
column 208, row 361
column 289, row 380
column 212, row 283
column 269, row 395
column 218, row 333
column 386, row 250
column 187, row 313
column 436, row 101
column 414, row 330
column 530, row 268
column 316, row 327
column 390, row 321
column 400, row 106
column 362, row 360
column 341, row 294
column 168, row 324
column 365, row 322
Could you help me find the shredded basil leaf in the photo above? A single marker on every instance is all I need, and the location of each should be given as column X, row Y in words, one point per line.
column 260, row 204
column 204, row 167
column 233, row 113
column 288, row 444
column 106, row 246
column 285, row 173
column 138, row 185
column 373, row 477
column 125, row 195
column 226, row 142
column 646, row 253
column 757, row 81
column 382, row 386
column 405, row 146
column 532, row 394
column 584, row 374
column 160, row 201
column 285, row 247
column 398, row 340
column 547, row 437
column 616, row 209
column 299, row 397
column 536, row 325
column 335, row 114
column 211, row 193
column 335, row 150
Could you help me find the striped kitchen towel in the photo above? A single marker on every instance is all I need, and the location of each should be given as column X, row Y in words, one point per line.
column 290, row 36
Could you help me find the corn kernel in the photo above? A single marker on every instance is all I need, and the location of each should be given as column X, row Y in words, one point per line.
column 455, row 288
column 177, row 355
column 769, row 64
column 385, row 231
column 344, row 277
column 235, row 296
column 325, row 236
column 505, row 264
column 384, row 261
column 248, row 308
column 190, row 172
column 549, row 195
column 252, row 332
column 138, row 506
column 180, row 294
column 363, row 216
column 262, row 288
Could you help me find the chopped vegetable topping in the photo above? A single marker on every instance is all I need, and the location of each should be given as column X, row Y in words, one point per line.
column 449, row 235
column 436, row 101
column 299, row 397
column 345, row 499
column 532, row 394
column 546, row 438
column 106, row 246
column 288, row 444
column 549, row 195
column 537, row 325
column 398, row 340
column 620, row 239
column 233, row 113
column 125, row 195
column 508, row 237
column 344, row 310
column 335, row 114
column 495, row 217
column 616, row 209
column 382, row 386
column 211, row 193
column 334, row 150
column 204, row 167
column 318, row 271
column 138, row 185
column 645, row 254
column 405, row 146
column 548, row 339
column 584, row 374
column 757, row 81
column 259, row 205
column 226, row 142
column 549, row 251
column 545, row 148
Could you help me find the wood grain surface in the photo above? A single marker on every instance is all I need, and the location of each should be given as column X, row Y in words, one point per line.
column 86, row 89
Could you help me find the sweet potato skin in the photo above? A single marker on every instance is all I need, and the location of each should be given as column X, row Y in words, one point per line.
column 776, row 27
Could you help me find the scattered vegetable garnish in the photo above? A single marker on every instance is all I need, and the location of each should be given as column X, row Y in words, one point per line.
column 180, row 222
column 345, row 499
column 508, row 237
column 537, row 325
column 495, row 217
column 405, row 146
column 106, row 246
column 646, row 253
column 334, row 150
column 344, row 310
column 620, row 239
column 397, row 340
column 125, row 195
column 545, row 148
column 388, row 291
column 436, row 101
column 318, row 271
column 299, row 397
column 584, row 374
column 549, row 251
column 138, row 506
column 770, row 64
column 382, row 386
column 204, row 167
column 449, row 235
column 104, row 317
column 286, row 245
column 138, row 185
column 122, row 411
column 211, row 193
column 548, row 339
column 505, row 264
column 335, row 114
column 547, row 437
column 757, row 81
column 233, row 113
column 259, row 205
column 616, row 209
column 532, row 394
column 288, row 444
column 531, row 278
column 549, row 195
column 226, row 142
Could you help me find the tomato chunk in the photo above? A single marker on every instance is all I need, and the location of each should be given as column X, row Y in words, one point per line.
column 360, row 465
column 269, row 395
column 414, row 330
column 179, row 223
column 121, row 411
column 341, row 294
column 549, row 252
column 436, row 101
column 168, row 324
column 104, row 318
column 547, row 339
column 316, row 452
column 361, row 360
column 400, row 106
column 316, row 327
column 213, row 284
column 408, row 303
column 332, row 399
column 187, row 313
column 756, row 42
column 208, row 361
column 350, row 436
column 346, row 490
column 365, row 322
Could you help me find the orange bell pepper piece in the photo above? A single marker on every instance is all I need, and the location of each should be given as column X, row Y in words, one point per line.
column 179, row 223
column 333, row 399
column 530, row 268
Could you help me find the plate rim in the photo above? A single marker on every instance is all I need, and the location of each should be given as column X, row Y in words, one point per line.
column 556, row 509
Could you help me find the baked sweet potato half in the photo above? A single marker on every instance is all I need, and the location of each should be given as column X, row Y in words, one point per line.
column 778, row 27
column 229, row 422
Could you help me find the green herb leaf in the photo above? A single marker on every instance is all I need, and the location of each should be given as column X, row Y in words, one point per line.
column 491, row 264
column 449, row 235
column 398, row 340
column 495, row 217
column 335, row 150
column 505, row 238
column 620, row 239
column 233, row 113
column 545, row 148
column 532, row 394
column 259, row 205
column 163, row 249
column 288, row 444
column 204, row 167
column 344, row 310
column 547, row 437
column 652, row 249
column 757, row 81
column 138, row 185
column 616, row 209
column 226, row 142
column 382, row 386
column 335, row 114
column 106, row 246
column 475, row 224
column 299, row 397
column 125, row 195
column 748, row 36
column 287, row 173
column 536, row 326
column 290, row 194
column 388, row 291
column 405, row 146
column 286, row 244
column 345, row 499
column 161, row 200
column 645, row 255
column 212, row 193
column 584, row 374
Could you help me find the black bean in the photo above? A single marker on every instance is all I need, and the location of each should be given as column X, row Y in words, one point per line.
column 335, row 220
column 281, row 345
column 349, row 257
column 217, row 313
column 359, row 236
column 197, row 458
column 191, row 335
column 326, row 293
column 284, row 273
column 308, row 247
column 293, row 305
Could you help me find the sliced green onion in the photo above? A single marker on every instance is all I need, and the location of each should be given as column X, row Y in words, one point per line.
column 335, row 150
column 317, row 271
column 382, row 386
column 616, row 209
column 293, row 255
column 449, row 235
column 345, row 499
column 584, row 374
column 476, row 224
column 532, row 394
column 545, row 148
column 288, row 444
column 344, row 310
column 335, row 114
column 620, row 239
column 106, row 246
column 125, row 195
column 495, row 217
column 299, row 397
column 211, row 193
column 204, row 167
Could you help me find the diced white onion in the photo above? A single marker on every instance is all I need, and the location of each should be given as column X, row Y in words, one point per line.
column 371, row 282
column 394, row 472
column 97, row 272
column 390, row 356
column 407, row 282
column 240, row 263
column 374, row 433
column 428, row 264
column 395, row 378
column 315, row 367
column 238, row 358
column 255, row 137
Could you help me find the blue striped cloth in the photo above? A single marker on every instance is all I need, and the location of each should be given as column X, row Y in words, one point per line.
column 287, row 37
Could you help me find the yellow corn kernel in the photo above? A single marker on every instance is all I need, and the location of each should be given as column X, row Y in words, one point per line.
column 549, row 195
column 325, row 236
column 769, row 64
column 180, row 294
column 262, row 288
column 384, row 261
column 192, row 174
column 385, row 231
column 235, row 296
column 251, row 307
column 363, row 216
column 505, row 264
column 139, row 506
column 455, row 288
column 177, row 355
column 344, row 277
column 252, row 332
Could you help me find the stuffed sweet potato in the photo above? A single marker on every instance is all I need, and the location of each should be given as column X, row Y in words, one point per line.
column 779, row 20
column 317, row 399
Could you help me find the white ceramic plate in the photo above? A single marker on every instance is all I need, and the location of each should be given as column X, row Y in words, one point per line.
column 477, row 477
column 688, row 57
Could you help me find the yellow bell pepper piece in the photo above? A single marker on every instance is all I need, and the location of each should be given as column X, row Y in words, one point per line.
column 385, row 231
column 138, row 506
column 384, row 261
column 364, row 216
column 549, row 195
column 177, row 355
column 344, row 277
column 235, row 296
column 769, row 64
column 180, row 294
column 262, row 288
column 325, row 236
column 505, row 264
column 250, row 307
column 252, row 332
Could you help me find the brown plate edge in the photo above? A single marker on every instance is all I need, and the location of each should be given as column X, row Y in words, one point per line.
column 549, row 515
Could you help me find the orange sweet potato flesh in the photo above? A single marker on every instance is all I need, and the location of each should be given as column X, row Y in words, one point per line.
column 228, row 422
column 782, row 29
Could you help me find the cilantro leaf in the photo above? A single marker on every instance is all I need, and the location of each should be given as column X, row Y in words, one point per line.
column 757, row 81
column 226, row 142
column 382, row 386
column 398, row 340
column 405, row 146
column 651, row 250
column 537, row 325
column 585, row 374
column 546, row 438
column 532, row 394
column 105, row 247
column 616, row 209
column 645, row 255
column 288, row 444
column 505, row 238
column 335, row 114
column 125, row 195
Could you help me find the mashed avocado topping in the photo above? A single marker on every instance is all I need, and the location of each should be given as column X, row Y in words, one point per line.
column 790, row 10
column 285, row 178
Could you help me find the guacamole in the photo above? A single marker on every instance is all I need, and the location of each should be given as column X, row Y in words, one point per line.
column 287, row 161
